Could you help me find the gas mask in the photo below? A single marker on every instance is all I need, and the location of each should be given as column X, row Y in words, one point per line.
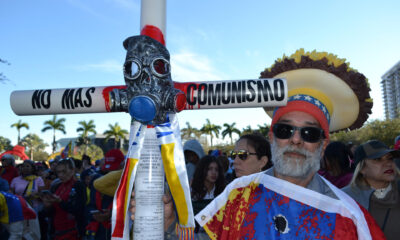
column 150, row 92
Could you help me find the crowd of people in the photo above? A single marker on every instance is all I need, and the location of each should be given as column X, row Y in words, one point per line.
column 58, row 201
column 56, row 195
column 295, row 185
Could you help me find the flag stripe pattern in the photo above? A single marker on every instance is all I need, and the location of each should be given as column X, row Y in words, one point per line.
column 175, row 171
column 120, row 219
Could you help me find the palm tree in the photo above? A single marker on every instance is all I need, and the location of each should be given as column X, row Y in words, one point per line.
column 229, row 130
column 55, row 124
column 85, row 128
column 210, row 129
column 189, row 131
column 247, row 130
column 115, row 132
column 33, row 143
column 20, row 125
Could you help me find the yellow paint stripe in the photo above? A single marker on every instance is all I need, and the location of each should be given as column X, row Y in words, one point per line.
column 316, row 94
column 167, row 154
column 132, row 164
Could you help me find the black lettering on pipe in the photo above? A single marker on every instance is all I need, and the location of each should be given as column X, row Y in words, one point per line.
column 252, row 93
column 279, row 92
column 214, row 97
column 190, row 89
column 226, row 96
column 202, row 94
column 88, row 101
column 67, row 101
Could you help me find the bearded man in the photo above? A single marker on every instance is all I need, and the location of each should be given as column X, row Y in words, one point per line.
column 290, row 200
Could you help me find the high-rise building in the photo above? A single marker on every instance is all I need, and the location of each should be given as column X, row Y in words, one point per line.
column 391, row 92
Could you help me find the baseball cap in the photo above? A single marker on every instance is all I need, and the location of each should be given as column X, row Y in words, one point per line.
column 373, row 149
column 112, row 160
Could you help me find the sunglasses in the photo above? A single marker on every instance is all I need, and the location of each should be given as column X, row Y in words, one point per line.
column 242, row 154
column 308, row 134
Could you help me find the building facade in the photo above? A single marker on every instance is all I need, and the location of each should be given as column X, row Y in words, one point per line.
column 391, row 92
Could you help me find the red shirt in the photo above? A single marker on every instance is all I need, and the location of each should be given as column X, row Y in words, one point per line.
column 9, row 173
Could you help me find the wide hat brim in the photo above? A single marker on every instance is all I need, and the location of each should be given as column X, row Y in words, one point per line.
column 334, row 92
column 321, row 77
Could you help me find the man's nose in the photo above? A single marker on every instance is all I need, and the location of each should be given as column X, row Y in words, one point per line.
column 296, row 138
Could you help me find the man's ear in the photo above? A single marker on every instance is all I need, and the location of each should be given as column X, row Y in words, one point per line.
column 270, row 136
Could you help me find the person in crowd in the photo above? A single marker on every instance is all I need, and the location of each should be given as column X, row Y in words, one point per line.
column 65, row 203
column 208, row 182
column 86, row 162
column 97, row 164
column 28, row 185
column 78, row 167
column 193, row 152
column 4, row 186
column 8, row 171
column 100, row 206
column 376, row 185
column 290, row 200
column 337, row 162
column 18, row 218
column 252, row 154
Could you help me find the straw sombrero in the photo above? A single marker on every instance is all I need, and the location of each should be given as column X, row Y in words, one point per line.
column 327, row 83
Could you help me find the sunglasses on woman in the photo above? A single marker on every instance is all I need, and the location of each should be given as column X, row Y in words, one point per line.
column 308, row 134
column 242, row 154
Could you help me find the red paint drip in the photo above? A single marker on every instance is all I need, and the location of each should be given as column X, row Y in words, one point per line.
column 153, row 32
column 106, row 95
column 180, row 102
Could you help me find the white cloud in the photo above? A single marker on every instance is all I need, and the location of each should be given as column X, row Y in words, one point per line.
column 252, row 53
column 191, row 67
column 112, row 66
column 84, row 7
column 126, row 4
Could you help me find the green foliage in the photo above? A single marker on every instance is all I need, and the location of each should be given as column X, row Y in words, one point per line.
column 115, row 132
column 3, row 77
column 190, row 132
column 85, row 128
column 264, row 129
column 18, row 125
column 247, row 130
column 40, row 156
column 34, row 146
column 382, row 130
column 5, row 144
column 55, row 125
column 210, row 129
column 93, row 151
column 229, row 130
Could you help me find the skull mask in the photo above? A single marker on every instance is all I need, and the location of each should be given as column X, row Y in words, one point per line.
column 147, row 74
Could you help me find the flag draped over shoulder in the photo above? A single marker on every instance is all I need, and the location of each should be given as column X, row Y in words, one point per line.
column 14, row 208
column 168, row 136
column 260, row 206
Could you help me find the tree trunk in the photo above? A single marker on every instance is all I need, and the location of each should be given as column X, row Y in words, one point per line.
column 54, row 141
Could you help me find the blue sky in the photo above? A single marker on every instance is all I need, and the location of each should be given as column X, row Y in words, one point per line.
column 72, row 43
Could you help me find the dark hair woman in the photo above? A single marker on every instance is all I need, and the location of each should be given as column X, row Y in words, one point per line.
column 65, row 203
column 337, row 162
column 28, row 185
column 252, row 154
column 208, row 182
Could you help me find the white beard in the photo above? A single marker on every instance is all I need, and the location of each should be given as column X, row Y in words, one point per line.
column 295, row 167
